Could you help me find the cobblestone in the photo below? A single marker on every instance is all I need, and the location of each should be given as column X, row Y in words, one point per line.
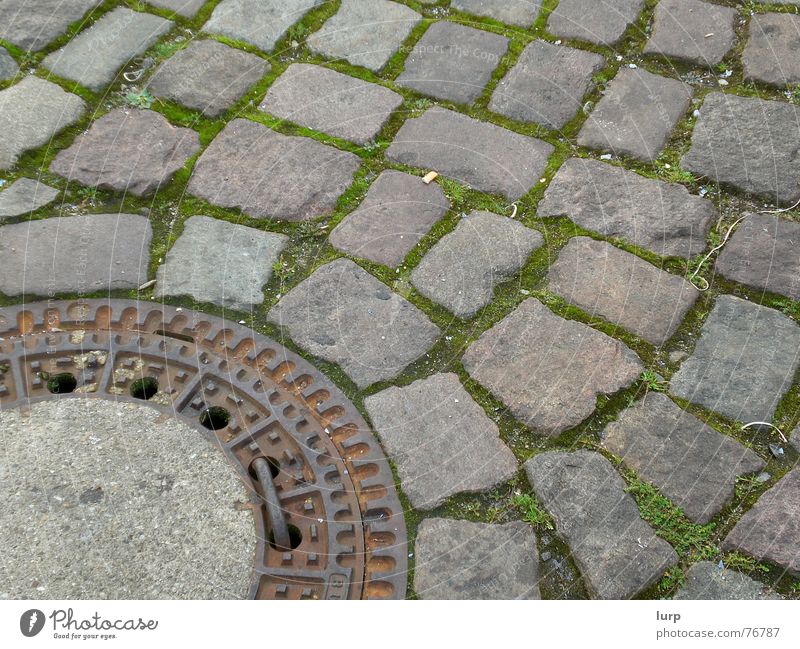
column 463, row 560
column 692, row 31
column 8, row 66
column 453, row 62
column 32, row 24
column 621, row 288
column 134, row 151
column 270, row 175
column 708, row 580
column 744, row 362
column 772, row 54
column 207, row 76
column 219, row 262
column 770, row 531
column 495, row 161
column 331, row 102
column 185, row 8
column 462, row 270
column 344, row 315
column 397, row 211
column 662, row 217
column 76, row 254
column 261, row 23
column 618, row 553
column 94, row 56
column 547, row 84
column 441, row 441
column 365, row 32
column 547, row 370
column 513, row 12
column 24, row 196
column 759, row 157
column 31, row 113
column 636, row 115
column 763, row 253
column 602, row 23
column 690, row 463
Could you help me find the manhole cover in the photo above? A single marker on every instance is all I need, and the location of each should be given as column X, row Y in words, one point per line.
column 329, row 524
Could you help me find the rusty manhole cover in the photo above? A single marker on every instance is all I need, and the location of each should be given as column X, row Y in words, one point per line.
column 329, row 524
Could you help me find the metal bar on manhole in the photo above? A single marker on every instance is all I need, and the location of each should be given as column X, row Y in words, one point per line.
column 277, row 522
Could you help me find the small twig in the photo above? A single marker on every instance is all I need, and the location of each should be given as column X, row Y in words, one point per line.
column 711, row 252
column 785, row 209
column 766, row 423
column 725, row 240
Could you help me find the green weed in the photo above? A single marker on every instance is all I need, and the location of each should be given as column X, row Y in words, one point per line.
column 653, row 381
column 139, row 98
column 532, row 512
column 689, row 539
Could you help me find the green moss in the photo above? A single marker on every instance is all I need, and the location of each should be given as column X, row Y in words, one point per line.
column 691, row 541
column 736, row 561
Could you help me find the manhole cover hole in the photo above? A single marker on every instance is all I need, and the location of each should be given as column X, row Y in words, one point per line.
column 328, row 521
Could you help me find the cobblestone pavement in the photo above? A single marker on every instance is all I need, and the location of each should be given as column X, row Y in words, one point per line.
column 578, row 343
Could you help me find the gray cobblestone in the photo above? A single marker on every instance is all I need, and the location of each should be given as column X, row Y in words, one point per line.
column 32, row 112
column 453, row 62
column 772, row 54
column 95, row 55
column 744, row 362
column 270, row 175
column 76, row 254
column 463, row 560
column 398, row 210
column 692, row 31
column 440, row 439
column 207, row 76
column 602, row 23
column 24, row 196
column 331, row 102
column 547, row 370
column 346, row 316
column 618, row 553
column 486, row 157
column 258, row 22
column 365, row 32
column 462, row 270
column 636, row 115
column 547, row 84
column 662, row 217
column 759, row 156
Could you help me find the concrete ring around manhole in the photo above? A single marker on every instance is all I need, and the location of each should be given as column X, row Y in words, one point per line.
column 155, row 452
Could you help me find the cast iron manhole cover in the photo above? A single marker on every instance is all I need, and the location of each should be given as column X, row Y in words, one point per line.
column 329, row 524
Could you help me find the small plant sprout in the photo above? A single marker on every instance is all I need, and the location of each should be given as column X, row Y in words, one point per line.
column 532, row 512
column 88, row 195
column 653, row 381
column 139, row 98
